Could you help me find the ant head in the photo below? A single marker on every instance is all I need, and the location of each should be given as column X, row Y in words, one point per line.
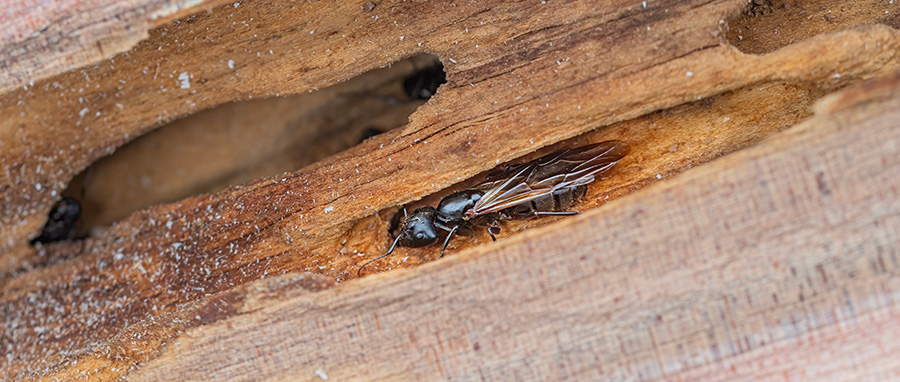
column 418, row 230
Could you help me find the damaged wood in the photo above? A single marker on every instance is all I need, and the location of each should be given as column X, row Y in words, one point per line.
column 669, row 283
column 42, row 41
column 586, row 79
column 241, row 141
column 522, row 77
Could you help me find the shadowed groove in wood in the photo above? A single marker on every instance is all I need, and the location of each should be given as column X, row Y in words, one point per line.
column 767, row 25
column 576, row 120
column 671, row 282
column 668, row 142
column 135, row 253
column 125, row 115
column 238, row 142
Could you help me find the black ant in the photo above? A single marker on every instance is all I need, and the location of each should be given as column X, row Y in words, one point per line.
column 547, row 186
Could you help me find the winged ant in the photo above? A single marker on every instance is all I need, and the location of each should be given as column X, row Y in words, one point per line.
column 547, row 186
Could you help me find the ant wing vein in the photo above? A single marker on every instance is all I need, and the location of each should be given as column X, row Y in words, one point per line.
column 556, row 171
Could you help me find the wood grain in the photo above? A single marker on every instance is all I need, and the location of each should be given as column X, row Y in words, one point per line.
column 349, row 42
column 239, row 142
column 575, row 77
column 523, row 77
column 778, row 262
column 43, row 38
column 767, row 25
column 667, row 143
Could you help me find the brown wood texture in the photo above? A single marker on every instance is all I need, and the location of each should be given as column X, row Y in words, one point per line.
column 241, row 141
column 573, row 77
column 779, row 262
column 43, row 38
column 522, row 76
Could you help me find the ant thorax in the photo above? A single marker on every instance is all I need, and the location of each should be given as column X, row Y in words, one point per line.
column 453, row 209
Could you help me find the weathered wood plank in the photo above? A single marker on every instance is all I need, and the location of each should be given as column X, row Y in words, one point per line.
column 523, row 76
column 665, row 143
column 43, row 38
column 777, row 262
column 239, row 142
column 572, row 77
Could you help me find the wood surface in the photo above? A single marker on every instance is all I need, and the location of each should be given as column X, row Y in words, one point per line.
column 43, row 38
column 673, row 79
column 588, row 78
column 239, row 142
column 779, row 262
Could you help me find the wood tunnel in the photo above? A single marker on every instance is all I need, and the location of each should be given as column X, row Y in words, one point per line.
column 229, row 189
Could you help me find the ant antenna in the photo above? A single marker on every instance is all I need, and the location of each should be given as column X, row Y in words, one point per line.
column 359, row 272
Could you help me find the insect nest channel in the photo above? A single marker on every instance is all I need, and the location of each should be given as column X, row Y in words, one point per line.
column 548, row 186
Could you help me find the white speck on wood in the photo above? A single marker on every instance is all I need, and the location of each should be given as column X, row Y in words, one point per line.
column 185, row 80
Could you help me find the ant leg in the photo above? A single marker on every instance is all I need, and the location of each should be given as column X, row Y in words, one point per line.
column 447, row 240
column 493, row 227
column 555, row 213
column 492, row 233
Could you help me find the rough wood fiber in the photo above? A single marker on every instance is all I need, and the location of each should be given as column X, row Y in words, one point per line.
column 42, row 38
column 310, row 126
column 349, row 42
column 766, row 25
column 778, row 262
column 528, row 75
column 238, row 142
column 530, row 64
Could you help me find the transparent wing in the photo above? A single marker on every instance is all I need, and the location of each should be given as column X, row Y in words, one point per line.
column 559, row 170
